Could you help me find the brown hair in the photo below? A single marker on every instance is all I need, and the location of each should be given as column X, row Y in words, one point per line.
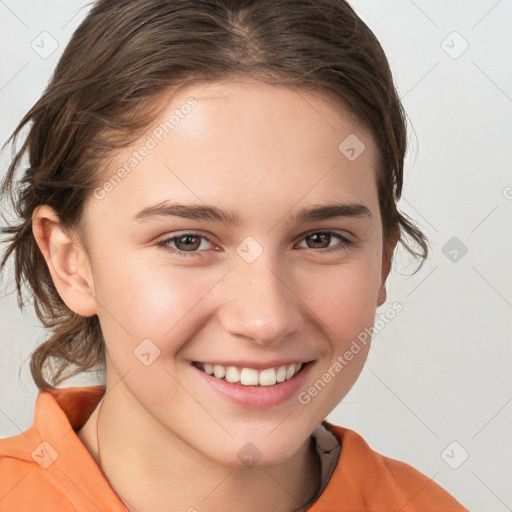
column 120, row 59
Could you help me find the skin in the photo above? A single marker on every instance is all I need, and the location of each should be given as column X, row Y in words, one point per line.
column 263, row 151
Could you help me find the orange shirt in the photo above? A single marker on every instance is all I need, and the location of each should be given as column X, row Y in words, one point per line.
column 48, row 469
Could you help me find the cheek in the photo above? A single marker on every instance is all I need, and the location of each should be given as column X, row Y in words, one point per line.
column 169, row 304
column 344, row 296
column 155, row 302
column 345, row 308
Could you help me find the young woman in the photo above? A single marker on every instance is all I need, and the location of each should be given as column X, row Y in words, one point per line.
column 210, row 211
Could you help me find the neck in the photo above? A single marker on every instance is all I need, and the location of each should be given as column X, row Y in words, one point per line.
column 149, row 467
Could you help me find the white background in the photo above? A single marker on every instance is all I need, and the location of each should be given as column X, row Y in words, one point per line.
column 440, row 371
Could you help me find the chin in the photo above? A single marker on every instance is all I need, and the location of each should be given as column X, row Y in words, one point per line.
column 256, row 448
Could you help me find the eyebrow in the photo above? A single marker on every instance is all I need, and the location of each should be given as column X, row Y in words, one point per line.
column 212, row 213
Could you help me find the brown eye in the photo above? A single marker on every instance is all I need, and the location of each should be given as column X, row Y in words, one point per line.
column 322, row 239
column 186, row 244
column 319, row 239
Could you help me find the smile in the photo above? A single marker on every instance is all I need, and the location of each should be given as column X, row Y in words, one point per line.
column 251, row 376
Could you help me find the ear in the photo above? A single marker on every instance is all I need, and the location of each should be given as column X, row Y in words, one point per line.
column 387, row 258
column 67, row 261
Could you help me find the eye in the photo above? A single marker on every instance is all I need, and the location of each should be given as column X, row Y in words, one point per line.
column 321, row 237
column 188, row 244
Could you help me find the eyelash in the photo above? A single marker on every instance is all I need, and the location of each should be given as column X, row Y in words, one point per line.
column 344, row 244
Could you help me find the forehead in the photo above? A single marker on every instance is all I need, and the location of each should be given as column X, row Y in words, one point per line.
column 244, row 142
column 252, row 104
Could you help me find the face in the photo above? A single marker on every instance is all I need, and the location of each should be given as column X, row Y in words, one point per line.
column 239, row 280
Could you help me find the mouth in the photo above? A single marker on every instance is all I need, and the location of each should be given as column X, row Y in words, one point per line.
column 247, row 376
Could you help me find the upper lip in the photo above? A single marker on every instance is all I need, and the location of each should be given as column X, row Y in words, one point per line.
column 257, row 365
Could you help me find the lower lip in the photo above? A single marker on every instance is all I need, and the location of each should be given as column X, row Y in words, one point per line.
column 257, row 396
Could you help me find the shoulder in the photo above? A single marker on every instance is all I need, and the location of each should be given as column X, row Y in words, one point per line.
column 366, row 480
column 27, row 483
column 46, row 467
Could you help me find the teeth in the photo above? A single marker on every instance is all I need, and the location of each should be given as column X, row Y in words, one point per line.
column 267, row 377
column 290, row 371
column 250, row 376
column 281, row 374
column 232, row 374
column 219, row 371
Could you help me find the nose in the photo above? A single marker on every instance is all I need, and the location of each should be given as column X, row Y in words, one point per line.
column 259, row 302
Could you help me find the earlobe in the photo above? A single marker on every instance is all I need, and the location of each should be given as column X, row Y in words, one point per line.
column 382, row 296
column 67, row 262
column 387, row 258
